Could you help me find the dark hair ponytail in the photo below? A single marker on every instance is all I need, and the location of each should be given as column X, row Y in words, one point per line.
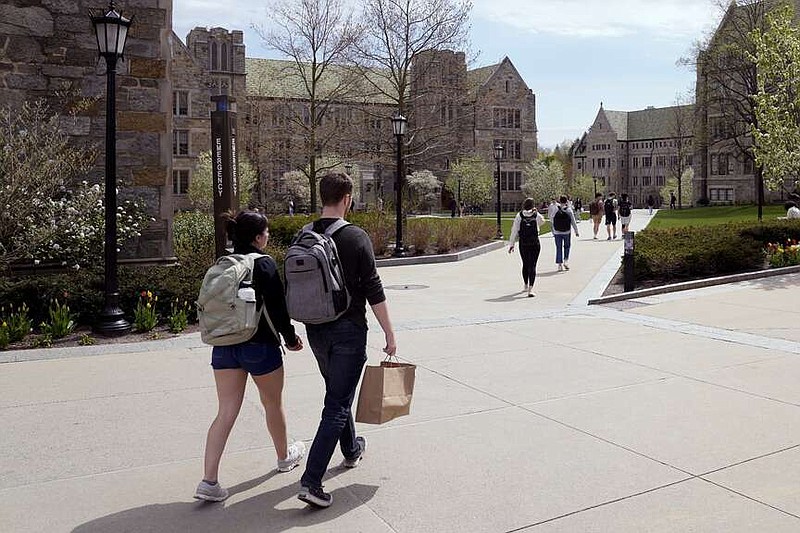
column 244, row 227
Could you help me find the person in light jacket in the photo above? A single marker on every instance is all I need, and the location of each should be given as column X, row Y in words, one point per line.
column 562, row 220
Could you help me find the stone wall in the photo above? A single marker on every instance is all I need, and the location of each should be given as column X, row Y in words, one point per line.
column 48, row 51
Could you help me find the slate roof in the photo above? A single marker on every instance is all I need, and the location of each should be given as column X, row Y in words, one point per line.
column 477, row 77
column 651, row 123
column 278, row 78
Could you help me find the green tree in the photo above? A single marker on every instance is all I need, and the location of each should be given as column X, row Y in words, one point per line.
column 201, row 190
column 777, row 102
column 582, row 187
column 672, row 187
column 544, row 180
column 477, row 180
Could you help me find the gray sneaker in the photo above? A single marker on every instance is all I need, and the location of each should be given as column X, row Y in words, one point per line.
column 352, row 463
column 294, row 454
column 210, row 493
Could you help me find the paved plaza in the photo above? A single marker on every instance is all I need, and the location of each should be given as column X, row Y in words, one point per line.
column 670, row 413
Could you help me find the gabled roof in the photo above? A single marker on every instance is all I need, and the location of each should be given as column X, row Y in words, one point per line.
column 278, row 78
column 618, row 120
column 650, row 123
column 477, row 78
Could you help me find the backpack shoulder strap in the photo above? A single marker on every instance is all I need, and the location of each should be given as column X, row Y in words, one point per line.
column 336, row 226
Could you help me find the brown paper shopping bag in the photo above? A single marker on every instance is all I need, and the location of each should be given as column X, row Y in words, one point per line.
column 386, row 392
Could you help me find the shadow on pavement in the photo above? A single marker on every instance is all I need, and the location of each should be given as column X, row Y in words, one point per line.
column 258, row 514
column 508, row 297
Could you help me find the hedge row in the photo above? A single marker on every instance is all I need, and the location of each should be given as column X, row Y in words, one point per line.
column 678, row 254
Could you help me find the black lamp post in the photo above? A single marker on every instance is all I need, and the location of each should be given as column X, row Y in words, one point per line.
column 399, row 123
column 498, row 155
column 594, row 179
column 111, row 30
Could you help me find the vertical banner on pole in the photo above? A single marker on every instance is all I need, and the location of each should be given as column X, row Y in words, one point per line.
column 224, row 166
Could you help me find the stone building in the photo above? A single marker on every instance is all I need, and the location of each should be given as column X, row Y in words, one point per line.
column 636, row 152
column 48, row 50
column 724, row 162
column 211, row 62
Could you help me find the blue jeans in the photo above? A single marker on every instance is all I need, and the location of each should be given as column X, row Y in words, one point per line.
column 563, row 243
column 340, row 348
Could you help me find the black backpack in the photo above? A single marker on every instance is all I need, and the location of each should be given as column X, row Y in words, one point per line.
column 609, row 207
column 561, row 221
column 528, row 229
column 625, row 209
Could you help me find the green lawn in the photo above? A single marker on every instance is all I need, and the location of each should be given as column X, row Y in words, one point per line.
column 711, row 216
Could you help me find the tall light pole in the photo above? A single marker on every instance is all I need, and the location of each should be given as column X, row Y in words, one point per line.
column 499, row 149
column 111, row 31
column 594, row 179
column 399, row 124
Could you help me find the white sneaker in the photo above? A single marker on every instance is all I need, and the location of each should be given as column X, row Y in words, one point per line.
column 560, row 267
column 566, row 266
column 294, row 454
column 210, row 493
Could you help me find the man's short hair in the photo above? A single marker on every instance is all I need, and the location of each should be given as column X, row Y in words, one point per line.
column 333, row 187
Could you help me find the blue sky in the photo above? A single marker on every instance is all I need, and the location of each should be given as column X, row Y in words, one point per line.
column 572, row 53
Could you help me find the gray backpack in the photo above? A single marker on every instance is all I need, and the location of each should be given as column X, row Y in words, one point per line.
column 226, row 306
column 315, row 287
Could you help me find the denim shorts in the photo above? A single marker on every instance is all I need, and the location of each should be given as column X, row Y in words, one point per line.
column 256, row 358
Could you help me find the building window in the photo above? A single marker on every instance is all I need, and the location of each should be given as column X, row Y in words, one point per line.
column 635, row 181
column 661, row 161
column 224, row 57
column 511, row 180
column 180, row 142
column 748, row 167
column 214, row 49
column 180, row 103
column 512, row 148
column 504, row 117
column 721, row 194
column 180, row 181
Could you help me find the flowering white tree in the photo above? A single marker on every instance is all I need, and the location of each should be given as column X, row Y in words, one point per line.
column 544, row 180
column 424, row 190
column 201, row 190
column 42, row 217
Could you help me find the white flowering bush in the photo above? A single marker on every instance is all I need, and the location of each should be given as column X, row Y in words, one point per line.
column 46, row 212
column 71, row 228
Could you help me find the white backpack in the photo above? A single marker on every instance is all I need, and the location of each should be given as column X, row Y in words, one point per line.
column 227, row 307
column 315, row 287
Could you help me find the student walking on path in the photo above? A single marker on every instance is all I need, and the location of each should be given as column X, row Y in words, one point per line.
column 610, row 210
column 596, row 212
column 650, row 203
column 562, row 219
column 260, row 357
column 625, row 212
column 526, row 227
column 340, row 346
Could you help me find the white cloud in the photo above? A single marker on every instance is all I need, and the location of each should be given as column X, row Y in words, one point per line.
column 611, row 18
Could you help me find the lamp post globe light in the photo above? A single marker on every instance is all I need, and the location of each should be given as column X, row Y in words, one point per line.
column 399, row 124
column 111, row 31
column 499, row 149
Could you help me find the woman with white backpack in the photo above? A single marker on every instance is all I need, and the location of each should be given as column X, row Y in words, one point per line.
column 259, row 357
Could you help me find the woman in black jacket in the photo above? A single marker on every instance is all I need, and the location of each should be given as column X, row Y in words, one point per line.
column 260, row 357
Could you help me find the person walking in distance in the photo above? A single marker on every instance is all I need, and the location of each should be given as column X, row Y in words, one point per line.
column 610, row 210
column 526, row 227
column 672, row 200
column 340, row 346
column 650, row 203
column 596, row 212
column 259, row 357
column 625, row 212
column 562, row 219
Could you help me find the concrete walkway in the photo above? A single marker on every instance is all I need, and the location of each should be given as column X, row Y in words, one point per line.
column 678, row 412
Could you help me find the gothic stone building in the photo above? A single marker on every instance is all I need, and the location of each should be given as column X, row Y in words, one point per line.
column 48, row 50
column 635, row 152
column 725, row 171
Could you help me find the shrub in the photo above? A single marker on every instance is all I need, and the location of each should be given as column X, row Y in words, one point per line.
column 379, row 226
column 683, row 253
column 283, row 228
column 193, row 237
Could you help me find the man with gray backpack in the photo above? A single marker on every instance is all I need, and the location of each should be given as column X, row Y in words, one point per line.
column 336, row 323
